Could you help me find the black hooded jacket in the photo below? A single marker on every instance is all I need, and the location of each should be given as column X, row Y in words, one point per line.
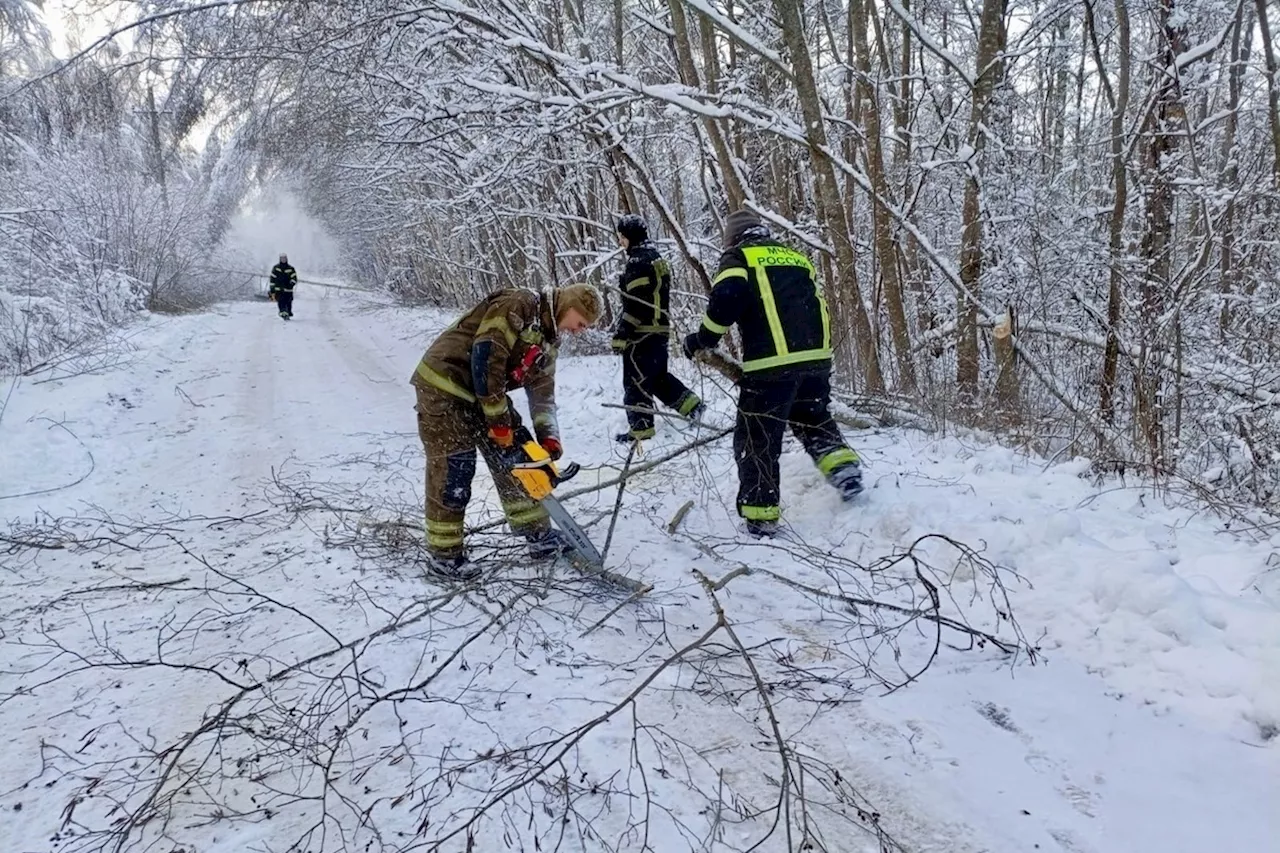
column 646, row 294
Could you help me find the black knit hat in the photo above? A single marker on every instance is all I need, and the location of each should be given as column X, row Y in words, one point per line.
column 743, row 225
column 633, row 228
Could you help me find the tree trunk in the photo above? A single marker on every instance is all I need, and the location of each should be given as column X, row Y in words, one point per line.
column 882, row 223
column 989, row 71
column 1006, row 358
column 1162, row 126
column 1231, row 174
column 1120, row 195
column 1273, row 95
column 831, row 205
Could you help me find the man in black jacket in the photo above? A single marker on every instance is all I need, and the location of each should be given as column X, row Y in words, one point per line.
column 283, row 279
column 642, row 334
column 772, row 293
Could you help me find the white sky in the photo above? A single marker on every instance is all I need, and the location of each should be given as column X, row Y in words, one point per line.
column 69, row 27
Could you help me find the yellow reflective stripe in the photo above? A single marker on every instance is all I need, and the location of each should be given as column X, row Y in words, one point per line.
column 501, row 324
column 657, row 292
column 731, row 272
column 761, row 513
column 713, row 326
column 766, row 298
column 542, row 419
column 444, row 526
column 525, row 517
column 822, row 306
column 444, row 534
column 826, row 316
column 653, row 329
column 635, row 321
column 783, row 360
column 444, row 383
column 837, row 458
column 635, row 282
column 531, row 336
column 492, row 410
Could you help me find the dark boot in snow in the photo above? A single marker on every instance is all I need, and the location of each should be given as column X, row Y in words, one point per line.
column 848, row 481
column 451, row 567
column 634, row 435
column 761, row 529
column 698, row 415
column 548, row 544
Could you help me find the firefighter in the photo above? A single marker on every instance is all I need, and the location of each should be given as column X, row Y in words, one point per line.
column 284, row 279
column 771, row 291
column 508, row 341
column 643, row 332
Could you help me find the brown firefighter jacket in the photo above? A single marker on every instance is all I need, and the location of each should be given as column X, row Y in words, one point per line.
column 486, row 353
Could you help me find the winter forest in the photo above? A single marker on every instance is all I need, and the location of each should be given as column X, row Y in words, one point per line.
column 1050, row 217
column 1044, row 227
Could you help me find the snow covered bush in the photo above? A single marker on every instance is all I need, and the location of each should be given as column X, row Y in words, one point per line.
column 104, row 211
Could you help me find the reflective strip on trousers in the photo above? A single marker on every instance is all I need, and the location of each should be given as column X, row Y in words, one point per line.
column 760, row 513
column 829, row 462
column 444, row 535
column 524, row 513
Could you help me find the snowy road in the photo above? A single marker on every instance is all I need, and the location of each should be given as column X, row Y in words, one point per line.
column 193, row 655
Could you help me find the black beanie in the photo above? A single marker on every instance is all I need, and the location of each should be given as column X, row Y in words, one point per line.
column 633, row 228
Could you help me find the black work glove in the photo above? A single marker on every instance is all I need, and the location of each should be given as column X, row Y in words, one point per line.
column 692, row 344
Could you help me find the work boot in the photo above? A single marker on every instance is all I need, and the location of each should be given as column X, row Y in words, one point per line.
column 760, row 529
column 848, row 481
column 451, row 566
column 548, row 544
column 634, row 435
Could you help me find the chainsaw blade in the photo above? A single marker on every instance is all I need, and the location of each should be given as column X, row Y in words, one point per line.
column 579, row 539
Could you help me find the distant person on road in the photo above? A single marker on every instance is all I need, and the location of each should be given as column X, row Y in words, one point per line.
column 283, row 280
column 508, row 341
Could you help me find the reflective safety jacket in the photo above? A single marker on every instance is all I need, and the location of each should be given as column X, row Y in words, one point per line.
column 508, row 341
column 772, row 293
column 283, row 278
column 646, row 294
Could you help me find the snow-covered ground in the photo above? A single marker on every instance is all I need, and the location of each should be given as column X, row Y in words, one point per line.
column 215, row 636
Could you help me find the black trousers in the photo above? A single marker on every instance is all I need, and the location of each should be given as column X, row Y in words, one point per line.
column 645, row 375
column 766, row 407
column 284, row 301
